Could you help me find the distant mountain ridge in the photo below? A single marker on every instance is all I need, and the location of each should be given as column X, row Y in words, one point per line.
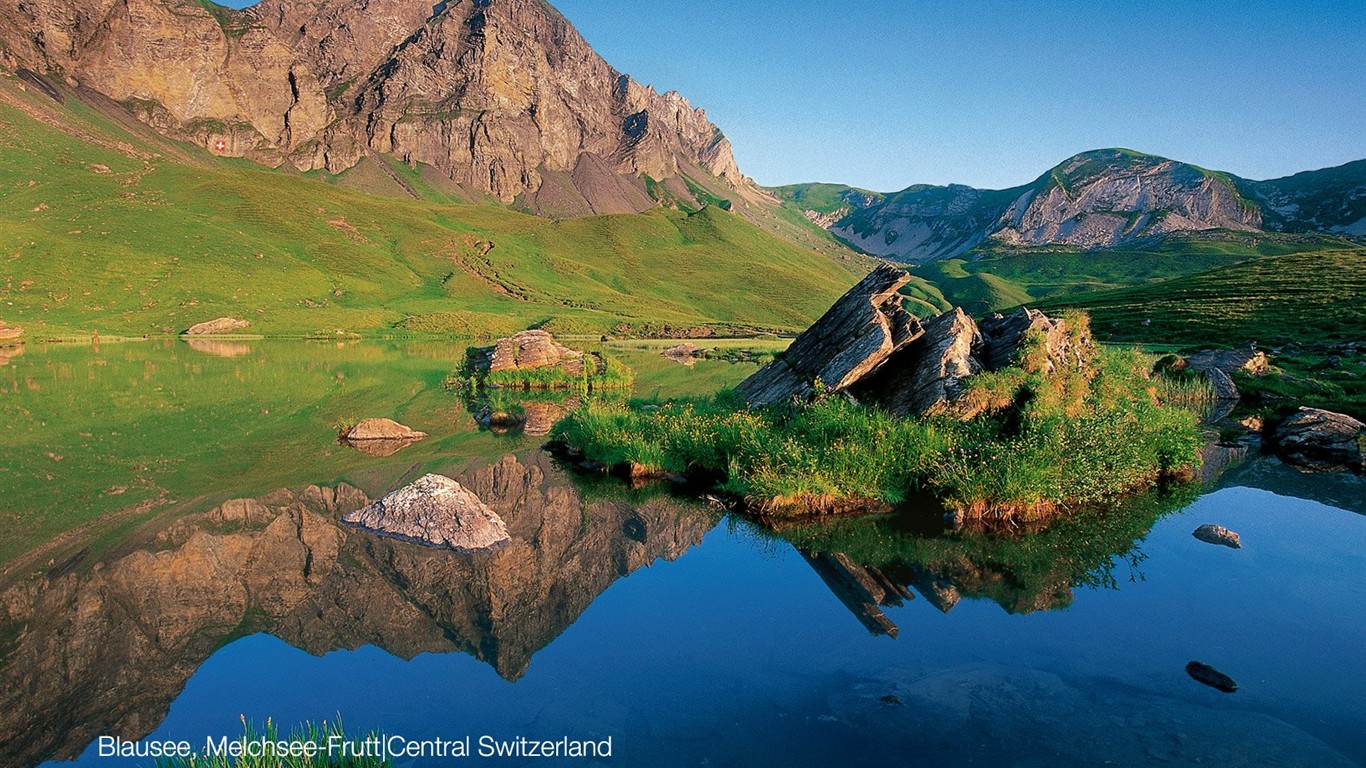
column 503, row 98
column 1099, row 199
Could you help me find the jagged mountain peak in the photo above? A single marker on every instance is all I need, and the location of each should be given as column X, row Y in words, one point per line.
column 503, row 97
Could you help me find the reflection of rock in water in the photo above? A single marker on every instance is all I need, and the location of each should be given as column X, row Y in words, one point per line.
column 379, row 449
column 219, row 348
column 534, row 417
column 105, row 649
column 864, row 591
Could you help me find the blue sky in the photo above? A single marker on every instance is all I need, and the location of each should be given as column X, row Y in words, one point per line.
column 886, row 93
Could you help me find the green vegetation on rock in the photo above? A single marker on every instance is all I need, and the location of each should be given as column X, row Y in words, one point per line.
column 1045, row 443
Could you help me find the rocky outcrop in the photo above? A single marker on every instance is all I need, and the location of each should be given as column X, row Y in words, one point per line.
column 104, row 647
column 10, row 335
column 1321, row 440
column 530, row 350
column 1218, row 534
column 870, row 348
column 435, row 510
column 381, row 438
column 502, row 97
column 1249, row 360
column 1005, row 339
column 381, row 429
column 220, row 326
column 851, row 340
column 928, row 377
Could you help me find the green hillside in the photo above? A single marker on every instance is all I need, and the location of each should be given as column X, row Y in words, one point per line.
column 997, row 279
column 106, row 227
column 1303, row 297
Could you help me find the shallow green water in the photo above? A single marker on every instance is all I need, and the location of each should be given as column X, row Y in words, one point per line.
column 115, row 435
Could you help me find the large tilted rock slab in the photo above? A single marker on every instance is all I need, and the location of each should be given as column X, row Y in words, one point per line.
column 928, row 376
column 435, row 510
column 857, row 334
column 530, row 350
column 1322, row 440
column 221, row 325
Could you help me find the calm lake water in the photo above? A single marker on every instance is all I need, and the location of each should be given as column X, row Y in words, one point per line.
column 180, row 567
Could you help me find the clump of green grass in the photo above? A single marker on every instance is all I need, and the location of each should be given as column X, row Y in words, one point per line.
column 1044, row 443
column 308, row 733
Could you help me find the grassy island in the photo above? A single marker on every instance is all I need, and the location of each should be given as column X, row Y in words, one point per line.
column 1042, row 443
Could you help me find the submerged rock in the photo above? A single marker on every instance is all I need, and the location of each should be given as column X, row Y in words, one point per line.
column 531, row 350
column 219, row 326
column 1321, row 440
column 1212, row 677
column 1218, row 534
column 858, row 334
column 381, row 429
column 435, row 510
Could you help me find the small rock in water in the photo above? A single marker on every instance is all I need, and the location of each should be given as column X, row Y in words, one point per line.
column 1218, row 534
column 891, row 700
column 435, row 510
column 221, row 325
column 1204, row 673
column 381, row 429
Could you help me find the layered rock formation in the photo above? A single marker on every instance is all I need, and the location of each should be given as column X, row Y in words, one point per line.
column 1099, row 199
column 532, row 350
column 868, row 347
column 851, row 340
column 502, row 97
column 95, row 648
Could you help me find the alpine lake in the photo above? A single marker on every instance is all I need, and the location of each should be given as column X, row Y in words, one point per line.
column 173, row 564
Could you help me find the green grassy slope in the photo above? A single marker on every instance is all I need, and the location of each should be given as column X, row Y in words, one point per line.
column 1304, row 297
column 1002, row 278
column 105, row 227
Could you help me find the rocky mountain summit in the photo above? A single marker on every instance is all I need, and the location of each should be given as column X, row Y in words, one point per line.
column 502, row 97
column 1100, row 199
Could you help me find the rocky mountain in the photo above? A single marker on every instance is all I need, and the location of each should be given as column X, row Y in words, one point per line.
column 501, row 97
column 1100, row 199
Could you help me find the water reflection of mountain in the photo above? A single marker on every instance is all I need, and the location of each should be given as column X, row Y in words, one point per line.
column 105, row 648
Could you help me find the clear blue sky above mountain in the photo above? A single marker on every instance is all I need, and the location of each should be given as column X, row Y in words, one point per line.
column 886, row 93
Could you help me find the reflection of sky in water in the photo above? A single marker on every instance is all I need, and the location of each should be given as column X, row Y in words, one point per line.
column 738, row 654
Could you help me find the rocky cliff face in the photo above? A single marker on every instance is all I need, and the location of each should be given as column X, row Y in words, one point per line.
column 1099, row 199
column 105, row 647
column 504, row 97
